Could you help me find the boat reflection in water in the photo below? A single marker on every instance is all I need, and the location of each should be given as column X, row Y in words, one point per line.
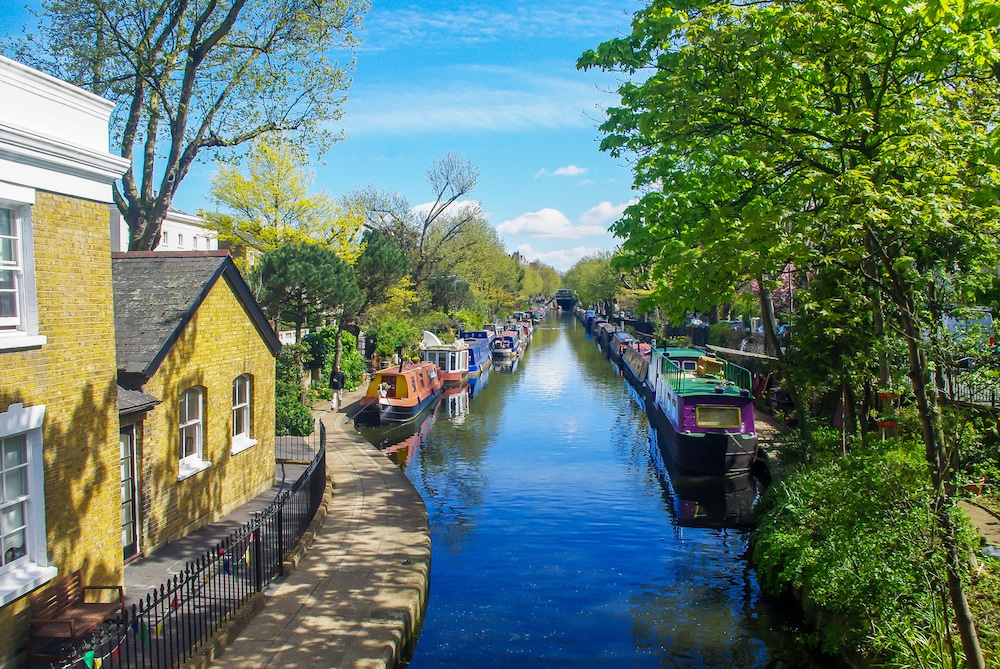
column 505, row 365
column 477, row 383
column 700, row 500
column 400, row 442
column 455, row 404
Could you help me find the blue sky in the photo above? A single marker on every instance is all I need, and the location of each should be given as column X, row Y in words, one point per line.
column 496, row 83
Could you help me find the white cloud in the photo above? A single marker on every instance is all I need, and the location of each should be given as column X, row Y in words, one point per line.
column 549, row 224
column 570, row 171
column 561, row 259
column 603, row 214
column 457, row 207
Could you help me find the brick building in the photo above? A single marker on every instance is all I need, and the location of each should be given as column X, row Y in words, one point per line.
column 196, row 361
column 58, row 394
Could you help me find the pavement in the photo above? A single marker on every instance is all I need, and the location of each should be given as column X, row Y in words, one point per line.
column 357, row 597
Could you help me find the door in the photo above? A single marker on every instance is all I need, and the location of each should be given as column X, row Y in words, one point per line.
column 130, row 510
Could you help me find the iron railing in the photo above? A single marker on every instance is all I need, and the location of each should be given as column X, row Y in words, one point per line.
column 170, row 626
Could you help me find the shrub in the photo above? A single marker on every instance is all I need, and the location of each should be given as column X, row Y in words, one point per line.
column 292, row 417
column 852, row 538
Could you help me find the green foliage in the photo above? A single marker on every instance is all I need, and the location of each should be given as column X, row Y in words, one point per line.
column 381, row 265
column 302, row 282
column 853, row 537
column 469, row 320
column 390, row 333
column 271, row 206
column 593, row 279
column 352, row 361
column 188, row 78
column 290, row 415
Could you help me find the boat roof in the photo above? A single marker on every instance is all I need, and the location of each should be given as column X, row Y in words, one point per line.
column 680, row 352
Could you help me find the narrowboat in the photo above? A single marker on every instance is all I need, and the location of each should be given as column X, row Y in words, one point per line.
column 451, row 359
column 635, row 365
column 480, row 355
column 400, row 394
column 507, row 345
column 704, row 406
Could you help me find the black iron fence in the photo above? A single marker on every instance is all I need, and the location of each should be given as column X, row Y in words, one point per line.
column 169, row 627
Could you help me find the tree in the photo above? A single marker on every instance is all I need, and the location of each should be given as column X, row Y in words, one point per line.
column 433, row 236
column 381, row 265
column 593, row 280
column 271, row 206
column 190, row 77
column 304, row 283
column 826, row 134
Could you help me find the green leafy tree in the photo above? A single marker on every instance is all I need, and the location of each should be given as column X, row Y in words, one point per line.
column 194, row 77
column 305, row 283
column 272, row 206
column 815, row 135
column 381, row 265
column 593, row 279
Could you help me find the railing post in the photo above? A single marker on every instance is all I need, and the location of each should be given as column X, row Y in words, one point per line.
column 280, row 529
column 258, row 554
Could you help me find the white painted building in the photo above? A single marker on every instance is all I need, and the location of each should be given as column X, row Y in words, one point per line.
column 179, row 232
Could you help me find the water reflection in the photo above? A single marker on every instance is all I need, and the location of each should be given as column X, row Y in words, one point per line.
column 562, row 538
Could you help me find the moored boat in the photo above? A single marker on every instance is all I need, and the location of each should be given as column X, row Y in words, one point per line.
column 506, row 345
column 705, row 408
column 480, row 355
column 400, row 394
column 451, row 359
column 635, row 365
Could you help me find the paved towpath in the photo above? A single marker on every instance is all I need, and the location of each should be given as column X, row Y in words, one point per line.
column 358, row 596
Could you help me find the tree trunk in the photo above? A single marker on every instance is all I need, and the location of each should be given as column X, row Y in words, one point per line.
column 937, row 458
column 767, row 319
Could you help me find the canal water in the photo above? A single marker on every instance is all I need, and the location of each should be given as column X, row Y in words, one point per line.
column 559, row 537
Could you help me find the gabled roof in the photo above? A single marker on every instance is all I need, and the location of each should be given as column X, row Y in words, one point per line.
column 156, row 296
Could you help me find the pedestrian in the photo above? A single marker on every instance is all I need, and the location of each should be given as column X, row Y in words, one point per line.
column 375, row 362
column 337, row 386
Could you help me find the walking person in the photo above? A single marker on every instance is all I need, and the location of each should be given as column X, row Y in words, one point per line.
column 337, row 386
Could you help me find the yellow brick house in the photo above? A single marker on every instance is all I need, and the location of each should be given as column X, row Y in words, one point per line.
column 59, row 499
column 195, row 360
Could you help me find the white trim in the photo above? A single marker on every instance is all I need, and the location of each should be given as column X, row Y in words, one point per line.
column 240, row 443
column 18, row 341
column 25, row 577
column 190, row 466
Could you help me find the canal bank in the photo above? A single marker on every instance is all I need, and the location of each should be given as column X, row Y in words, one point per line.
column 358, row 594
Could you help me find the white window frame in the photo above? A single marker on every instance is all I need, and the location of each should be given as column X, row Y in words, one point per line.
column 189, row 465
column 180, row 240
column 21, row 577
column 242, row 407
column 165, row 239
column 22, row 333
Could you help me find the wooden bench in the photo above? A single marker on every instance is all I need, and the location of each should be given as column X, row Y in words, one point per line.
column 61, row 610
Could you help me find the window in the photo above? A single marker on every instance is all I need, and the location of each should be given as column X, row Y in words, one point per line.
column 10, row 270
column 241, row 414
column 721, row 417
column 191, row 433
column 23, row 554
column 18, row 308
column 180, row 240
column 165, row 239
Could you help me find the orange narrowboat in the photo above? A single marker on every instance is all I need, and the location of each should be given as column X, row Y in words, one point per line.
column 399, row 394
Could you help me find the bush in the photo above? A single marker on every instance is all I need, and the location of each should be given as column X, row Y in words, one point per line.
column 292, row 417
column 852, row 538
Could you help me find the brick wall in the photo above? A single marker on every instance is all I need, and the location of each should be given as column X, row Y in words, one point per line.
column 218, row 345
column 73, row 375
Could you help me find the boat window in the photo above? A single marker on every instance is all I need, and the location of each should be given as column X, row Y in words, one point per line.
column 718, row 417
column 688, row 365
column 413, row 383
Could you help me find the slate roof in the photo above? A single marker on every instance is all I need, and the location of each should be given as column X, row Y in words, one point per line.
column 156, row 295
column 133, row 401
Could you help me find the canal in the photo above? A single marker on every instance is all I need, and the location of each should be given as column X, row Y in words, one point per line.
column 561, row 540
